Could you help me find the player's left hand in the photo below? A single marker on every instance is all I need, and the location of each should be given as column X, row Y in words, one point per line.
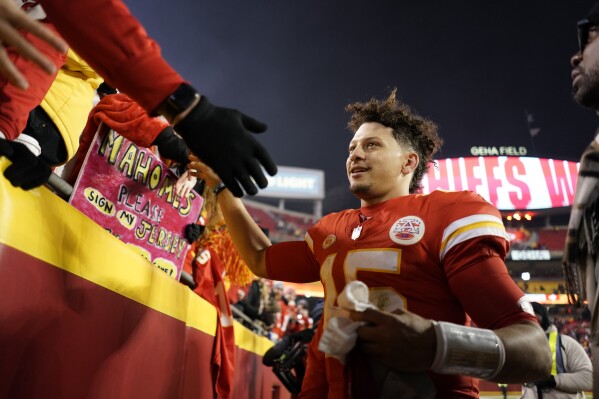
column 402, row 341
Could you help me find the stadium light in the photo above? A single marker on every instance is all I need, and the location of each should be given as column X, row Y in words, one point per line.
column 517, row 216
column 528, row 216
column 525, row 276
column 509, row 217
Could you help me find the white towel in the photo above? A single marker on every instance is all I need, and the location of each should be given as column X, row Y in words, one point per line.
column 339, row 336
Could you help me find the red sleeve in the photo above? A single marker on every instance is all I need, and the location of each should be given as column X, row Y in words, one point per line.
column 114, row 43
column 128, row 119
column 292, row 261
column 483, row 285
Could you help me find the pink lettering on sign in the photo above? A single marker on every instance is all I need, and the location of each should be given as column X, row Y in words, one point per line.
column 560, row 180
column 473, row 173
column 491, row 165
column 513, row 169
column 509, row 183
column 438, row 178
column 130, row 192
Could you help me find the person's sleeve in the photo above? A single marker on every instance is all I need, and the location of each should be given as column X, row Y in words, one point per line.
column 472, row 249
column 292, row 261
column 115, row 44
column 483, row 285
column 579, row 374
column 128, row 119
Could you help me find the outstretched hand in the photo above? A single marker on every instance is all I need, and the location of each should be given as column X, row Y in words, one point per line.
column 402, row 341
column 185, row 183
column 224, row 139
column 27, row 170
column 12, row 19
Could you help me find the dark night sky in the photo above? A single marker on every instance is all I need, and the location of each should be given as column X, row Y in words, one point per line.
column 473, row 67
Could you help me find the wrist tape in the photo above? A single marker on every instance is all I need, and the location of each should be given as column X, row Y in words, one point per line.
column 475, row 352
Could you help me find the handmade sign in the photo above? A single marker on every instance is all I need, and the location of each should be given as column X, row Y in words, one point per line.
column 130, row 192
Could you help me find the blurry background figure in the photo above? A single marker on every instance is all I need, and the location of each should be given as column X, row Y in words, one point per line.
column 297, row 318
column 251, row 304
column 284, row 306
column 571, row 371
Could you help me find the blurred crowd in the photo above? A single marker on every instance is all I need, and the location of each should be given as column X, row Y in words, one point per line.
column 575, row 322
column 276, row 309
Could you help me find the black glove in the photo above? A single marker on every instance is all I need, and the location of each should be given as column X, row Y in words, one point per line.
column 193, row 232
column 221, row 138
column 548, row 383
column 171, row 146
column 27, row 171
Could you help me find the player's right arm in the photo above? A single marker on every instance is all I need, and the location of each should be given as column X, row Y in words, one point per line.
column 287, row 261
column 248, row 237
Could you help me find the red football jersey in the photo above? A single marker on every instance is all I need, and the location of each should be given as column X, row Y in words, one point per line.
column 438, row 255
column 208, row 271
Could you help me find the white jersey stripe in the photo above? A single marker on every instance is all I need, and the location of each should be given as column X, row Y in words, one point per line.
column 449, row 230
column 471, row 227
column 309, row 241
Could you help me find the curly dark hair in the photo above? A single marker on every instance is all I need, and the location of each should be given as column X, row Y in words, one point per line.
column 409, row 129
